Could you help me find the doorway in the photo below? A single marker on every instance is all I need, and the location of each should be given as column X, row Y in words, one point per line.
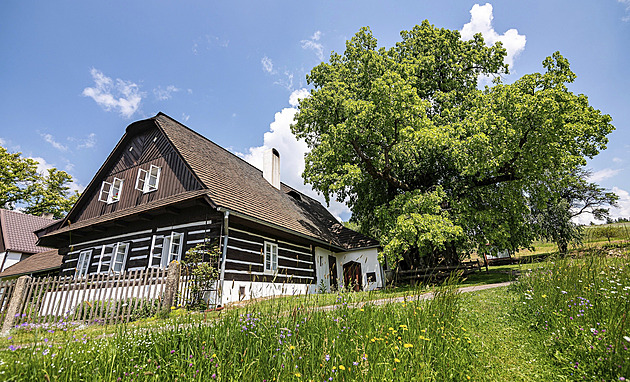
column 352, row 275
column 332, row 272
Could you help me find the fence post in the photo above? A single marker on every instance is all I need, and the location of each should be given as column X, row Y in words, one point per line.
column 15, row 304
column 172, row 282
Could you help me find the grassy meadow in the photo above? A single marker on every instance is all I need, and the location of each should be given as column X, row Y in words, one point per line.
column 563, row 319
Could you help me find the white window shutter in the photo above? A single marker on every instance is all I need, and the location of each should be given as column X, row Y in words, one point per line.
column 106, row 189
column 141, row 180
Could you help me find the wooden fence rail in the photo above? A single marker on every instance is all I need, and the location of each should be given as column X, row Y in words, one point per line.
column 57, row 301
column 436, row 273
column 96, row 298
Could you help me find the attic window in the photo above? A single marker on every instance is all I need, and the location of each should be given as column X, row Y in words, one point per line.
column 148, row 181
column 295, row 195
column 110, row 192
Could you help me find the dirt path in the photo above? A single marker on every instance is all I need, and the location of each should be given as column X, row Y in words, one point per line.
column 424, row 296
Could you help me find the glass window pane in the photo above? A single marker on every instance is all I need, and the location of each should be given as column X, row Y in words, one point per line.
column 142, row 179
column 116, row 188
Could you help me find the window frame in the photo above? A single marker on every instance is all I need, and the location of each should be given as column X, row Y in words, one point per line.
column 145, row 177
column 167, row 249
column 103, row 254
column 114, row 261
column 83, row 263
column 272, row 262
column 115, row 184
column 113, row 257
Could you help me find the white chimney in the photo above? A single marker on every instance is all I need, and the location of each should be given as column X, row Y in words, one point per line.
column 271, row 167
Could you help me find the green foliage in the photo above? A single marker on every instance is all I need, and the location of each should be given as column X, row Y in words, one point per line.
column 22, row 186
column 201, row 261
column 607, row 231
column 391, row 129
column 17, row 178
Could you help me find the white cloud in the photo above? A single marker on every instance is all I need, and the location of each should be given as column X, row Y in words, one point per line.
column 285, row 81
column 122, row 96
column 617, row 160
column 42, row 165
column 600, row 175
column 623, row 210
column 481, row 22
column 291, row 151
column 185, row 117
column 267, row 64
column 50, row 139
column 164, row 94
column 88, row 142
column 2, row 142
column 626, row 4
column 294, row 98
column 314, row 45
column 208, row 41
column 68, row 167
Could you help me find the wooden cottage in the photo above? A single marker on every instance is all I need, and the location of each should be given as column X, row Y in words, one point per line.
column 164, row 189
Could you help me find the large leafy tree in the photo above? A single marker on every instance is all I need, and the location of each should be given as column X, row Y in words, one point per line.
column 21, row 186
column 428, row 162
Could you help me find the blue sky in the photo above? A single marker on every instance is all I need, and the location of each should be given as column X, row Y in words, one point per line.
column 74, row 74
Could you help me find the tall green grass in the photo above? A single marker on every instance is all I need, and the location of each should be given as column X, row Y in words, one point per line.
column 579, row 308
column 410, row 340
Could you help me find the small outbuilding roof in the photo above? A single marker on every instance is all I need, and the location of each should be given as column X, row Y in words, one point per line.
column 39, row 262
column 18, row 231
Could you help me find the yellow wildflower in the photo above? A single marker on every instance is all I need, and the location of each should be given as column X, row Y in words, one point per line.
column 407, row 346
column 298, row 375
column 396, row 360
column 342, row 367
column 291, row 347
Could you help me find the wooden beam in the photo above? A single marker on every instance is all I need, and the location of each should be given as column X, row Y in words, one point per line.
column 172, row 210
column 145, row 217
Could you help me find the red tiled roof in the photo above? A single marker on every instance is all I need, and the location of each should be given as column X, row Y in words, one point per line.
column 38, row 262
column 18, row 231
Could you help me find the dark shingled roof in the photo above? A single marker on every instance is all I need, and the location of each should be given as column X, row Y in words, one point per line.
column 18, row 231
column 235, row 185
column 238, row 186
column 39, row 262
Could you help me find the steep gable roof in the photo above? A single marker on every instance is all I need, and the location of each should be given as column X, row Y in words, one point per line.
column 238, row 186
column 18, row 231
column 231, row 183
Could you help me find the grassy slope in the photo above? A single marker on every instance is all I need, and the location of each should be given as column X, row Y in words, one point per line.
column 506, row 352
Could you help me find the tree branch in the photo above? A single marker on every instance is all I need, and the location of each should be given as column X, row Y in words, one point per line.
column 369, row 166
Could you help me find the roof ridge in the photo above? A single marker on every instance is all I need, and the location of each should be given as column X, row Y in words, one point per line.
column 224, row 149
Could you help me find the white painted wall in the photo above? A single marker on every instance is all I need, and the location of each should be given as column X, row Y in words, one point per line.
column 321, row 258
column 11, row 258
column 369, row 263
column 253, row 290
